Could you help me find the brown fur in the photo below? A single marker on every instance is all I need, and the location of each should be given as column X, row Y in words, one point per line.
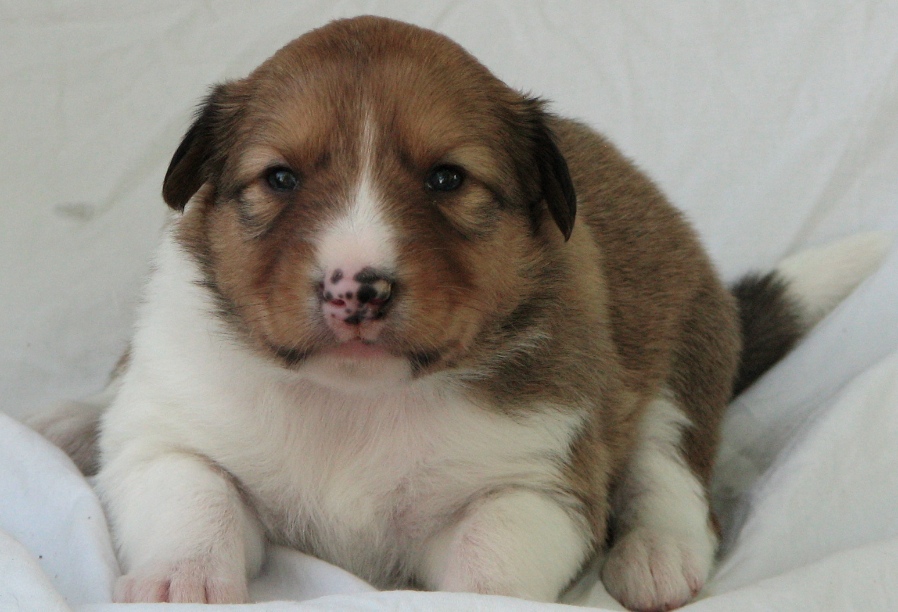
column 495, row 283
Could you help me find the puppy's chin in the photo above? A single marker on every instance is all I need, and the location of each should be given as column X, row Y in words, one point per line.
column 356, row 367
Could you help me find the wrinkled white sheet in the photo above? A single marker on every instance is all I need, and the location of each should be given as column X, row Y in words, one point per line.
column 774, row 125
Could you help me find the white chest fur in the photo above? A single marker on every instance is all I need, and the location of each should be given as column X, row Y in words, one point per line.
column 363, row 479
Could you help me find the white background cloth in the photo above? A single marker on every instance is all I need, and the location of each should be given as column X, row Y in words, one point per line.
column 773, row 124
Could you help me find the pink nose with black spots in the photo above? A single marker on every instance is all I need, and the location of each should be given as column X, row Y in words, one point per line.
column 351, row 299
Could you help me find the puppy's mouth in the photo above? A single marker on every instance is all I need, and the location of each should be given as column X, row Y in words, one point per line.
column 358, row 350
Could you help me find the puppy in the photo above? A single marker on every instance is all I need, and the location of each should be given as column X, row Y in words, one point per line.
column 375, row 332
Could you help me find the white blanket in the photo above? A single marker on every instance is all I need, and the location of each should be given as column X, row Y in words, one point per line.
column 773, row 124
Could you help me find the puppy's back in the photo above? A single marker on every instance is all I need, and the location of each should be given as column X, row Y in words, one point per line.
column 652, row 261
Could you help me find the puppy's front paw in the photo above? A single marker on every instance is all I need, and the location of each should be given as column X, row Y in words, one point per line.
column 186, row 581
column 649, row 570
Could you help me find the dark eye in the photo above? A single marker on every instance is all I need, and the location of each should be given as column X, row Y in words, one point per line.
column 282, row 179
column 445, row 178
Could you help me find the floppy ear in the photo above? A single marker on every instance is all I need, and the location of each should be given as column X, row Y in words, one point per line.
column 201, row 151
column 554, row 179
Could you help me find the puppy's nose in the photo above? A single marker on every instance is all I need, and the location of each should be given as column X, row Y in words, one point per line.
column 353, row 297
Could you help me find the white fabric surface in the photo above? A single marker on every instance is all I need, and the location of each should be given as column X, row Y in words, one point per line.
column 773, row 124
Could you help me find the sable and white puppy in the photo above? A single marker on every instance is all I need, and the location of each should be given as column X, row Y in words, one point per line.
column 375, row 332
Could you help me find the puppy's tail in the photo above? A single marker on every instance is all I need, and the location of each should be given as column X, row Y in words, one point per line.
column 779, row 307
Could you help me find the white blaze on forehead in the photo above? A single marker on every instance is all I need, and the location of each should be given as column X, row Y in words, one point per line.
column 360, row 237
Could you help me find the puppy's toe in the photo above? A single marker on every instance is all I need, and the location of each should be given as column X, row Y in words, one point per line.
column 191, row 581
column 136, row 588
column 650, row 571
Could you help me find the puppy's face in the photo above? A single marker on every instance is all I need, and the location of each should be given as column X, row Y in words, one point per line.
column 371, row 204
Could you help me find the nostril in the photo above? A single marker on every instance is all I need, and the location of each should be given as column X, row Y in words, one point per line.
column 376, row 287
column 366, row 294
column 375, row 295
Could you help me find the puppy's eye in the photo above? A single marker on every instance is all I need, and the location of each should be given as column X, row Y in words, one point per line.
column 445, row 178
column 282, row 179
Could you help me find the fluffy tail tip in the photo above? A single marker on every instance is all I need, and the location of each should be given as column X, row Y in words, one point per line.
column 818, row 279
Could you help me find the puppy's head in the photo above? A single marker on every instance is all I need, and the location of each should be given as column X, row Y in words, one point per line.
column 371, row 204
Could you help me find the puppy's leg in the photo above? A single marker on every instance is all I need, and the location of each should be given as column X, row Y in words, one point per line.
column 518, row 543
column 184, row 533
column 664, row 543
